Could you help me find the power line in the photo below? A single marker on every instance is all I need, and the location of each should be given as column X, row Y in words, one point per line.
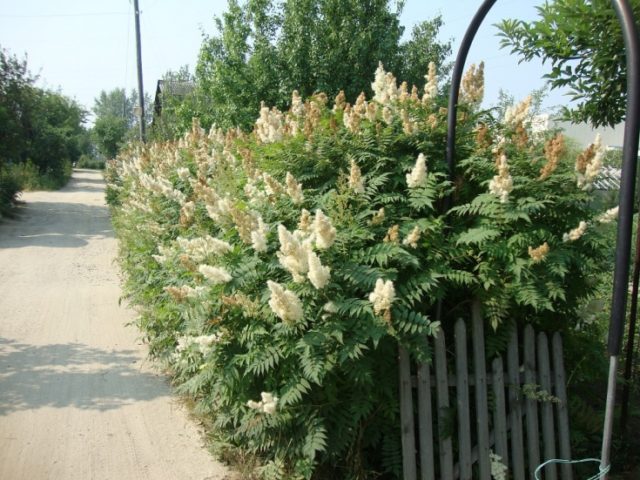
column 53, row 15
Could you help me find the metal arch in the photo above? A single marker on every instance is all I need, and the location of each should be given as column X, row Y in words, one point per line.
column 456, row 79
column 628, row 177
column 627, row 184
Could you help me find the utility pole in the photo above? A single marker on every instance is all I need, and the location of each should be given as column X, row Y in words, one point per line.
column 139, row 56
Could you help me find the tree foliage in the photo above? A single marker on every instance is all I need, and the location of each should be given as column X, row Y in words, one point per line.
column 115, row 121
column 41, row 131
column 265, row 49
column 582, row 41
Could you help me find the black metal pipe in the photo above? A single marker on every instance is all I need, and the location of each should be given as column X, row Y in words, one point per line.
column 456, row 79
column 628, row 176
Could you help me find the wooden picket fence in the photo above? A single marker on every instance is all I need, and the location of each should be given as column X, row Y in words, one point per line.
column 505, row 419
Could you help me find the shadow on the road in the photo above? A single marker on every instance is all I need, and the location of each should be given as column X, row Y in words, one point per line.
column 55, row 224
column 72, row 375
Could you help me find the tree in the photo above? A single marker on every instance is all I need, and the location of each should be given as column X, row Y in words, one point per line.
column 115, row 120
column 58, row 132
column 343, row 39
column 116, row 103
column 38, row 126
column 583, row 42
column 16, row 89
column 421, row 49
column 264, row 50
column 109, row 133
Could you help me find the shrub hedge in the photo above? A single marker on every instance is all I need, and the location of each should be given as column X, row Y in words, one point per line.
column 276, row 272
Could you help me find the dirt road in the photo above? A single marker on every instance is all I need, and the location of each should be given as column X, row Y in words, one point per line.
column 78, row 400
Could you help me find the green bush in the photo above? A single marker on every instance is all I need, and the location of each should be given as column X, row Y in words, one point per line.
column 29, row 176
column 278, row 272
column 86, row 161
column 9, row 190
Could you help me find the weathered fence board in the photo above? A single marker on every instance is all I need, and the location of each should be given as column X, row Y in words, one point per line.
column 561, row 407
column 442, row 395
column 406, row 417
column 500, row 411
column 425, row 423
column 462, row 390
column 515, row 407
column 546, row 424
column 531, row 407
column 548, row 433
column 482, row 406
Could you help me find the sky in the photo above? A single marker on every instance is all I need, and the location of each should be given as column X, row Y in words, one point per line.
column 81, row 47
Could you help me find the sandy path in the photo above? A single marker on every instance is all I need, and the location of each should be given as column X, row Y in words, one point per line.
column 77, row 398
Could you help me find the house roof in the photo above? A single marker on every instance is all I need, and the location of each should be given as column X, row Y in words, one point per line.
column 173, row 88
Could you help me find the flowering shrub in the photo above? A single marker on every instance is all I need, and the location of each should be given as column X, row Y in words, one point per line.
column 286, row 265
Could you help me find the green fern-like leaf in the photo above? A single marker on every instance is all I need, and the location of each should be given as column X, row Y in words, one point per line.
column 316, row 439
column 477, row 236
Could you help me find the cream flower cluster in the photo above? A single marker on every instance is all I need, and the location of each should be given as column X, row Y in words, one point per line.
column 159, row 258
column 268, row 403
column 499, row 470
column 161, row 186
column 183, row 173
column 609, row 216
column 215, row 275
column 353, row 116
column 540, row 253
column 576, row 233
column 203, row 342
column 294, row 189
column 518, row 114
column 297, row 105
column 187, row 212
column 502, row 184
column 294, row 252
column 594, row 165
column 185, row 291
column 473, row 84
column 413, row 238
column 356, row 182
column 202, row 247
column 164, row 254
column 382, row 296
column 296, row 255
column 431, row 87
column 285, row 303
column 269, row 125
column 385, row 87
column 259, row 236
column 324, row 231
column 418, row 175
column 319, row 275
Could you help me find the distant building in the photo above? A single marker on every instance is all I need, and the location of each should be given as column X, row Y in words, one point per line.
column 584, row 134
column 169, row 88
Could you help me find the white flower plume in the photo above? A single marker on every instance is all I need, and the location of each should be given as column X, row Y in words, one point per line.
column 318, row 275
column 418, row 175
column 285, row 303
column 382, row 296
column 325, row 233
column 215, row 275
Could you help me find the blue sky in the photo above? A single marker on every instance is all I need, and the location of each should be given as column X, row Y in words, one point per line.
column 85, row 46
